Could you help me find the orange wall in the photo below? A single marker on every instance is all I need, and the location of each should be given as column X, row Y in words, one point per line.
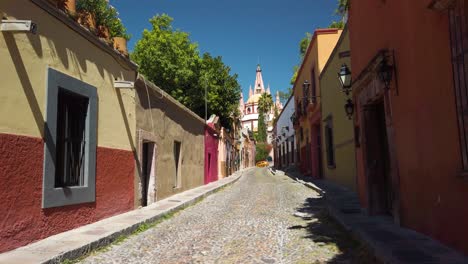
column 433, row 195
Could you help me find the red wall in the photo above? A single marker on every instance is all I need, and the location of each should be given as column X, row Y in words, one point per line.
column 211, row 147
column 22, row 220
column 433, row 195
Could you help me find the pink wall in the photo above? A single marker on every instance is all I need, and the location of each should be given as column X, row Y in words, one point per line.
column 22, row 220
column 211, row 152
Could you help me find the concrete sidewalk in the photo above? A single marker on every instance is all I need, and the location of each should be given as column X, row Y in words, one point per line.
column 389, row 242
column 77, row 242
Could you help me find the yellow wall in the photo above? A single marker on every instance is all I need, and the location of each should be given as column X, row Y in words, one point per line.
column 23, row 65
column 333, row 100
column 319, row 51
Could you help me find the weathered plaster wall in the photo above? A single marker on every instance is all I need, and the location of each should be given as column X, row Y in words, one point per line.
column 168, row 120
column 433, row 194
column 25, row 58
column 24, row 62
column 333, row 100
column 22, row 220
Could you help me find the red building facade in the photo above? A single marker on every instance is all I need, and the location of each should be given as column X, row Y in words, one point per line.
column 411, row 132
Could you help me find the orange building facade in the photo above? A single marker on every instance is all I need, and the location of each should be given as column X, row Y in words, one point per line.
column 307, row 116
column 410, row 128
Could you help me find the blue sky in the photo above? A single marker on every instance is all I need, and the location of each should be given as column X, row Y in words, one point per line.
column 241, row 31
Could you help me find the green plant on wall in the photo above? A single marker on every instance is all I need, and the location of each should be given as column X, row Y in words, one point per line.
column 104, row 15
column 115, row 25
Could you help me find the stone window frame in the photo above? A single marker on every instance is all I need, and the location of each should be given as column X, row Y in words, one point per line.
column 62, row 196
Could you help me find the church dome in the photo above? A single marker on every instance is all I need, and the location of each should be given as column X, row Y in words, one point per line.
column 254, row 99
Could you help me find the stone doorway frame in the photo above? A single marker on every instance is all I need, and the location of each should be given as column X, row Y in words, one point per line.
column 367, row 90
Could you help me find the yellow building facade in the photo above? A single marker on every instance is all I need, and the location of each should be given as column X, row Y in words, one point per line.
column 307, row 117
column 338, row 152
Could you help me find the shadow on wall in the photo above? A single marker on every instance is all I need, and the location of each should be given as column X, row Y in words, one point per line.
column 324, row 231
column 170, row 109
column 28, row 89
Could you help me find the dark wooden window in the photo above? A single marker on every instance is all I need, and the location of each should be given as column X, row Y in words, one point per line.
column 329, row 143
column 459, row 46
column 71, row 133
column 313, row 87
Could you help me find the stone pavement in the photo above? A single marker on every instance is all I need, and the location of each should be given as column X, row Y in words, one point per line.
column 79, row 241
column 260, row 219
column 388, row 242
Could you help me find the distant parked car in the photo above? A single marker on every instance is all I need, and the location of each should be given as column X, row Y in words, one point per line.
column 262, row 164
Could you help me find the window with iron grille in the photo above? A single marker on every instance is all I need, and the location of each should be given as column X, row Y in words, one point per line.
column 70, row 141
column 71, row 127
column 459, row 46
column 329, row 143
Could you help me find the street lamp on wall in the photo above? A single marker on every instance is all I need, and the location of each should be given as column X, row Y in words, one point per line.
column 306, row 85
column 345, row 79
column 349, row 108
column 385, row 73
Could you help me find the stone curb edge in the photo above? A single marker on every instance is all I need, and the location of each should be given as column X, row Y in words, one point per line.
column 109, row 239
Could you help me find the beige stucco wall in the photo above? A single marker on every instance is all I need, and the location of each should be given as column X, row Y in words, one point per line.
column 24, row 61
column 166, row 121
column 333, row 100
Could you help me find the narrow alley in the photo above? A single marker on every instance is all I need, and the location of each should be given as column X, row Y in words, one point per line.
column 260, row 219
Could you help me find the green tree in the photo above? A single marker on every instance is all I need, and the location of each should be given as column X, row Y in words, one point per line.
column 261, row 151
column 337, row 24
column 169, row 59
column 343, row 7
column 284, row 95
column 342, row 11
column 265, row 102
column 303, row 45
column 261, row 129
column 223, row 90
column 264, row 106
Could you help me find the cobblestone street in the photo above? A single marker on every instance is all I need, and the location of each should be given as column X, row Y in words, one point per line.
column 260, row 219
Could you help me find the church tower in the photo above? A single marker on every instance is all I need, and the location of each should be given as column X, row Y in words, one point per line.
column 259, row 88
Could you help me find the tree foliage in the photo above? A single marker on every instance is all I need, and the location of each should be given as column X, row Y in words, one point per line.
column 342, row 11
column 265, row 102
column 261, row 129
column 343, row 7
column 337, row 24
column 284, row 95
column 303, row 45
column 261, row 151
column 169, row 59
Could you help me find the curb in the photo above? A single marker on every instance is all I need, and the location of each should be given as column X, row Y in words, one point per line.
column 28, row 254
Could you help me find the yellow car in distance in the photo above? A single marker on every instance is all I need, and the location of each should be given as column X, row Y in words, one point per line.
column 262, row 164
